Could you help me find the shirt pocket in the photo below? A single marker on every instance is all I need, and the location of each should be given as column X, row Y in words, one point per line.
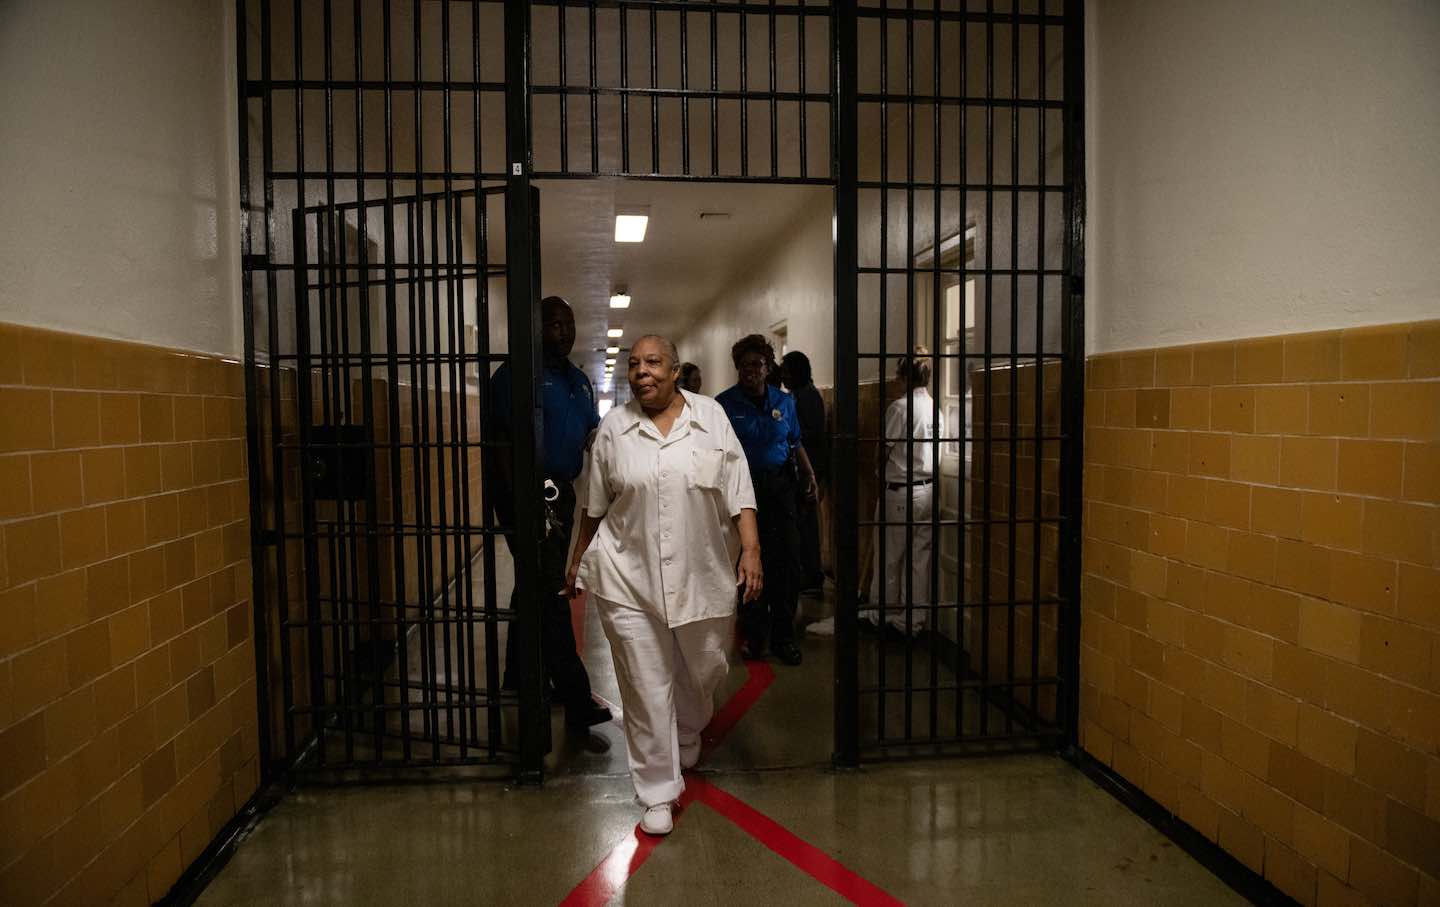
column 707, row 469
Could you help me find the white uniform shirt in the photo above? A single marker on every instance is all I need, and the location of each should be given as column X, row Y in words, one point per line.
column 667, row 542
column 924, row 427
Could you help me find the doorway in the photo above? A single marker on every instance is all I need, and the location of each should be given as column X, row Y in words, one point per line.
column 924, row 124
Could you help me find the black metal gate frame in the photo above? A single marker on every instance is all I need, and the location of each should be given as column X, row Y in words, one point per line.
column 843, row 97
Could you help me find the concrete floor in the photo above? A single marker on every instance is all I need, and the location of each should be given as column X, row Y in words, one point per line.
column 1015, row 829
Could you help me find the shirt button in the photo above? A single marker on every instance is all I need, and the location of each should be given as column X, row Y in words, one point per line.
column 664, row 475
column 667, row 562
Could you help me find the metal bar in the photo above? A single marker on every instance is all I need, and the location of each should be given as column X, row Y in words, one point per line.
column 962, row 362
column 741, row 94
column 684, row 92
column 989, row 361
column 654, row 98
column 624, row 84
column 565, row 94
column 259, row 558
column 774, row 118
column 594, row 100
column 937, row 344
column 910, row 338
column 1072, row 380
column 800, row 26
column 1039, row 447
column 1013, row 447
column 845, row 130
column 519, row 251
column 392, row 390
column 744, row 87
column 714, row 96
column 878, row 572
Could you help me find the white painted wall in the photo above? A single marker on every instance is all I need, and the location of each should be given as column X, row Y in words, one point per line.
column 118, row 170
column 1260, row 168
column 794, row 282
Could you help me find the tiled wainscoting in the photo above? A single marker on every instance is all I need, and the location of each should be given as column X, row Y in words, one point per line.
column 1261, row 626
column 127, row 678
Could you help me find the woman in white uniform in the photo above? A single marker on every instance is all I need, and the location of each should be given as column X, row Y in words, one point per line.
column 667, row 533
column 907, row 484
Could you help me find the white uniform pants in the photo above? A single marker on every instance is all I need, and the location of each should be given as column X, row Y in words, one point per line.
column 902, row 561
column 668, row 678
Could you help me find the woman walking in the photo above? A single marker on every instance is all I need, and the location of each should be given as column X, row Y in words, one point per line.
column 667, row 533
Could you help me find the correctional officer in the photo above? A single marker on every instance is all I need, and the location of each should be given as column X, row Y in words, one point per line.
column 569, row 414
column 765, row 421
column 796, row 375
column 668, row 506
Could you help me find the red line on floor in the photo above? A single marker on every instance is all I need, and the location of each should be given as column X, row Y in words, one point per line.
column 626, row 858
column 805, row 856
column 760, row 676
column 622, row 862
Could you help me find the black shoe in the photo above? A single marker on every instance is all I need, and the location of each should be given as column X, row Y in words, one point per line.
column 787, row 652
column 579, row 719
column 752, row 650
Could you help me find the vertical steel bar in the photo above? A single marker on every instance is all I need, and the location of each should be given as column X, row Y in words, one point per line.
column 986, row 513
column 774, row 118
column 685, row 92
column 367, row 396
column 524, row 361
column 938, row 340
column 490, row 626
column 260, row 537
column 882, row 515
column 845, row 133
column 1072, row 379
column 910, row 344
column 564, row 94
column 1038, row 508
column 1013, row 446
column 594, row 100
column 802, row 24
column 962, row 362
column 714, row 102
column 449, row 536
column 744, row 93
column 392, row 400
column 624, row 93
column 654, row 98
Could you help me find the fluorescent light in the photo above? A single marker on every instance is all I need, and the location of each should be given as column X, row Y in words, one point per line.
column 615, row 332
column 612, row 350
column 631, row 227
column 610, row 362
column 620, row 301
column 604, row 405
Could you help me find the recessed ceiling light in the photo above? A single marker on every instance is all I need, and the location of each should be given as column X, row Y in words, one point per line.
column 615, row 332
column 620, row 301
column 612, row 350
column 610, row 362
column 630, row 224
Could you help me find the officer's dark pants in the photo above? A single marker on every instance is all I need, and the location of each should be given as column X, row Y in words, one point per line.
column 772, row 617
column 563, row 666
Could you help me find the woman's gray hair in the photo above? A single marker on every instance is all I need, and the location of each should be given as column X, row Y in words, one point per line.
column 665, row 344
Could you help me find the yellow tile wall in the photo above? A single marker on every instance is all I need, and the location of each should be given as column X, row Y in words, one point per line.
column 1261, row 600
column 127, row 679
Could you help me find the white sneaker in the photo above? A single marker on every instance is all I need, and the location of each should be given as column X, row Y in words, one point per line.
column 656, row 820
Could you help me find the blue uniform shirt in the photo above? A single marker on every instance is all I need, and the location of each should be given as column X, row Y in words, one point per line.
column 568, row 415
column 768, row 433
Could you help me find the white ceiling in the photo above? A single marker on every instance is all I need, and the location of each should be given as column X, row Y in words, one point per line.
column 679, row 270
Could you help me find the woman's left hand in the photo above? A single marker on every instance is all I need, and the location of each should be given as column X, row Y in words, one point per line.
column 750, row 576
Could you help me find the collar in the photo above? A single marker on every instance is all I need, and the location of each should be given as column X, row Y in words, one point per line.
column 634, row 416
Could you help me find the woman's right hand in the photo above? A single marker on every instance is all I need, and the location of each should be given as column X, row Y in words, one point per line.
column 750, row 576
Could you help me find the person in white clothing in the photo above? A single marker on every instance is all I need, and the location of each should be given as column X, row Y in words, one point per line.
column 667, row 533
column 907, row 485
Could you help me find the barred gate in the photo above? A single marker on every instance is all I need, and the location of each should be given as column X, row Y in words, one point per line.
column 385, row 147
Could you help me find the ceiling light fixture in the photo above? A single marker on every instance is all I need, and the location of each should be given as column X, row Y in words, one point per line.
column 615, row 332
column 620, row 301
column 612, row 350
column 610, row 362
column 630, row 224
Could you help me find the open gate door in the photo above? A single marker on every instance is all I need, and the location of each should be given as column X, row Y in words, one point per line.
column 957, row 164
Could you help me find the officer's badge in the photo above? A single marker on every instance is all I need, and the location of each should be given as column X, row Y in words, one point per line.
column 775, row 414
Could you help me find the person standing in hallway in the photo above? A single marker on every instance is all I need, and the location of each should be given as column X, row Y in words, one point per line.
column 907, row 481
column 667, row 533
column 569, row 415
column 764, row 419
column 810, row 408
column 690, row 377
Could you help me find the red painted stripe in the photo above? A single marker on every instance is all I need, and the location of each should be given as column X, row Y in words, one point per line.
column 761, row 675
column 622, row 862
column 805, row 856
